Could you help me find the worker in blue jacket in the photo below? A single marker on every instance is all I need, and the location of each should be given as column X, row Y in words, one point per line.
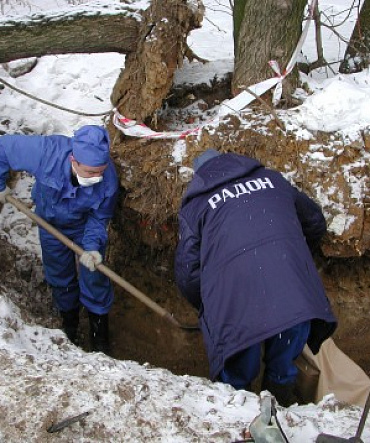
column 244, row 261
column 75, row 191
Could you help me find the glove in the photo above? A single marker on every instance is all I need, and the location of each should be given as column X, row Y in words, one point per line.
column 3, row 194
column 91, row 260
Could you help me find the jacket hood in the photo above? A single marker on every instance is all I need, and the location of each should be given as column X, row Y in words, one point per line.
column 218, row 171
column 204, row 157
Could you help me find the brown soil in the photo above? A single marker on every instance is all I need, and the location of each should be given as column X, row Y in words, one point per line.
column 140, row 334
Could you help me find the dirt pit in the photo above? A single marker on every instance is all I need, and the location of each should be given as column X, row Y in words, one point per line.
column 139, row 334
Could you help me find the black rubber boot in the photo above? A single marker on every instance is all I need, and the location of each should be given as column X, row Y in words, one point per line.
column 284, row 394
column 99, row 333
column 70, row 323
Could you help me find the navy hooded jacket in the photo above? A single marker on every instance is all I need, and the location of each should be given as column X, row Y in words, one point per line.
column 243, row 258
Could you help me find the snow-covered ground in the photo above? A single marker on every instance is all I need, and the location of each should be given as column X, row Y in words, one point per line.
column 43, row 379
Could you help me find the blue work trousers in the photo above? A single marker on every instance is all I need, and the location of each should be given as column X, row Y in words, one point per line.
column 280, row 352
column 72, row 286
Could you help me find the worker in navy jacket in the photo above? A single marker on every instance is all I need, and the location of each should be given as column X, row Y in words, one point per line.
column 75, row 191
column 244, row 261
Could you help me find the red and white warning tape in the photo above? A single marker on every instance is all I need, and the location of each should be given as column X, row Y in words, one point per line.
column 134, row 129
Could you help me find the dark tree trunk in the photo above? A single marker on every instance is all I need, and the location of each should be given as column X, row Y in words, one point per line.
column 357, row 56
column 77, row 33
column 270, row 30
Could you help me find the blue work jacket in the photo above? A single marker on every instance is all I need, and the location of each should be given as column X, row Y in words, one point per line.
column 243, row 257
column 57, row 201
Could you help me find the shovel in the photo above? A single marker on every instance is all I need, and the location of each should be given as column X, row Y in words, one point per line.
column 102, row 268
column 327, row 438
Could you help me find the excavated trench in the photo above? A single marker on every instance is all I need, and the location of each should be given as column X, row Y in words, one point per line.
column 142, row 241
column 143, row 238
column 139, row 334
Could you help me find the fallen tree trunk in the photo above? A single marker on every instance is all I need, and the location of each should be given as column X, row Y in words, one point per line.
column 154, row 41
column 90, row 31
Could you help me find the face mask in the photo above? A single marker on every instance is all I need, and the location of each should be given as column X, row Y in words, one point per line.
column 87, row 181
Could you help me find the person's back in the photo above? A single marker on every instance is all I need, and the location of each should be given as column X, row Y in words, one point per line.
column 245, row 212
column 243, row 257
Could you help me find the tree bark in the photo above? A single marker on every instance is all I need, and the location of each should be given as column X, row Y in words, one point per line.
column 270, row 30
column 148, row 74
column 357, row 56
column 238, row 15
column 75, row 33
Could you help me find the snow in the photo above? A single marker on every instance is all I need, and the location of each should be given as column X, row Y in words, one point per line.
column 82, row 83
column 323, row 111
column 130, row 402
column 43, row 378
column 27, row 13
